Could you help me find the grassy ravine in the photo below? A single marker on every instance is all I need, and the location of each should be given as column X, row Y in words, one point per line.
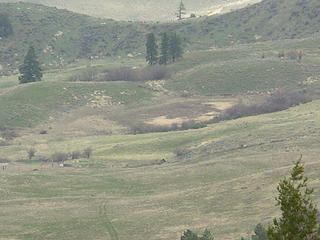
column 225, row 180
column 62, row 37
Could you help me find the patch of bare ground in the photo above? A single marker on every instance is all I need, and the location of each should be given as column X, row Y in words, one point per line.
column 206, row 111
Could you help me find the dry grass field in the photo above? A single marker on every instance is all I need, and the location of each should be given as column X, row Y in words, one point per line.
column 222, row 177
column 156, row 185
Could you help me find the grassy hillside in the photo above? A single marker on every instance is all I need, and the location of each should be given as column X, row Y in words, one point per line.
column 221, row 177
column 28, row 105
column 62, row 37
column 268, row 20
column 224, row 178
column 198, row 79
column 142, row 10
column 247, row 69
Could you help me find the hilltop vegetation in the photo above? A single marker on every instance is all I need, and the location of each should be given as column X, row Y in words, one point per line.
column 61, row 37
column 142, row 10
column 268, row 20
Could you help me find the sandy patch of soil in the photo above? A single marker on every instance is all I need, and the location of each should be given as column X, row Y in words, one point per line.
column 221, row 106
column 164, row 121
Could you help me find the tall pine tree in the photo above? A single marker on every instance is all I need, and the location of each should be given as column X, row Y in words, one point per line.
column 152, row 49
column 175, row 47
column 164, row 49
column 5, row 26
column 181, row 10
column 299, row 215
column 30, row 69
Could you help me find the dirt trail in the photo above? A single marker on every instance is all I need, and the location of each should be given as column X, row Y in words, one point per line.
column 104, row 219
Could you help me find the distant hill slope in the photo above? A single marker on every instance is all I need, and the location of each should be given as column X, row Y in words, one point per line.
column 268, row 20
column 62, row 36
column 143, row 10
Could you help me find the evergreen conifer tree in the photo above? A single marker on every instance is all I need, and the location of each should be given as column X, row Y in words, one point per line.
column 152, row 49
column 5, row 26
column 189, row 235
column 207, row 235
column 260, row 233
column 299, row 215
column 175, row 47
column 30, row 69
column 164, row 49
column 181, row 10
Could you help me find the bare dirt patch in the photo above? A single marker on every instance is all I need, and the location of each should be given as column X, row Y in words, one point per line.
column 213, row 110
column 206, row 117
column 221, row 106
column 164, row 121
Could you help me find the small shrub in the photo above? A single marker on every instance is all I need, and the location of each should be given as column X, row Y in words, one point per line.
column 154, row 73
column 59, row 157
column 281, row 54
column 192, row 125
column 4, row 160
column 42, row 159
column 9, row 134
column 31, row 153
column 42, row 132
column 293, row 55
column 122, row 74
column 75, row 155
column 87, row 152
column 181, row 152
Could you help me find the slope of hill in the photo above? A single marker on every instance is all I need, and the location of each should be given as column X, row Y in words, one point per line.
column 222, row 177
column 62, row 37
column 268, row 20
column 198, row 79
column 143, row 10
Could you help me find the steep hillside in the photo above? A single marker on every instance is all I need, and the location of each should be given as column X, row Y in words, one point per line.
column 62, row 37
column 268, row 20
column 143, row 10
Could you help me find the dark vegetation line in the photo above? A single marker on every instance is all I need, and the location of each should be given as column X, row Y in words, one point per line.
column 279, row 101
